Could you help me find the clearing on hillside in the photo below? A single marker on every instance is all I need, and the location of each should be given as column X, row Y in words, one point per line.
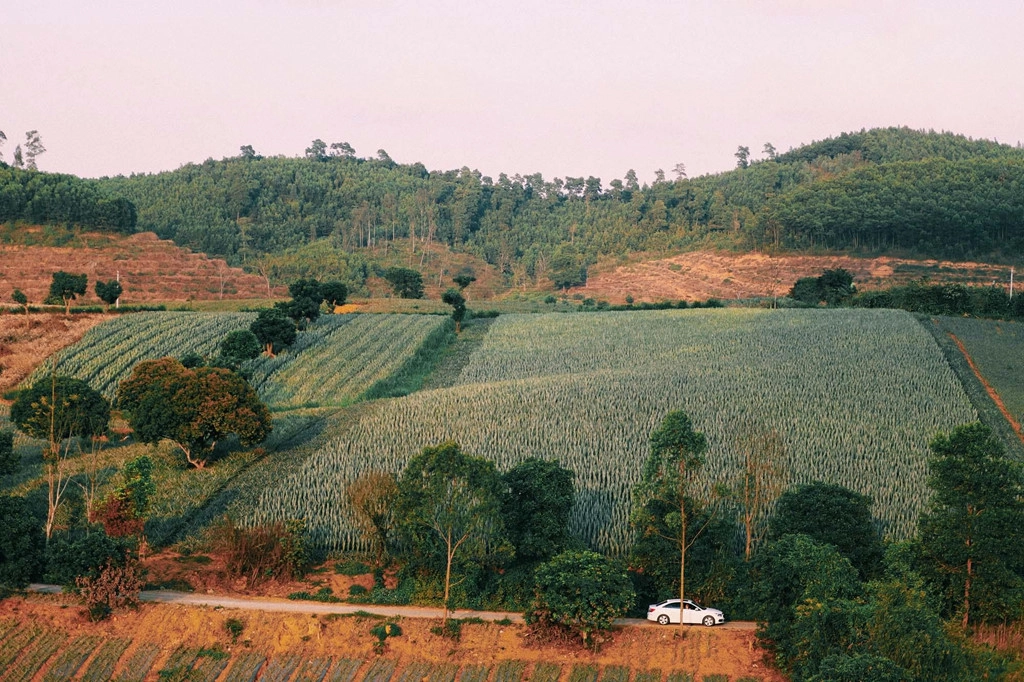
column 149, row 268
column 700, row 275
column 856, row 396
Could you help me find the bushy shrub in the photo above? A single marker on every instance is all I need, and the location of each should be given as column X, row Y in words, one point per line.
column 68, row 559
column 115, row 586
column 261, row 552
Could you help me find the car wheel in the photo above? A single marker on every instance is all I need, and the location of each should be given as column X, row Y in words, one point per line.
column 663, row 619
column 709, row 620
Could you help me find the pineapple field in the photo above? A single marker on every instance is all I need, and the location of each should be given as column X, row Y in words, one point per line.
column 855, row 395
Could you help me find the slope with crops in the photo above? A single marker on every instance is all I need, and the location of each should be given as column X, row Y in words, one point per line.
column 334, row 362
column 855, row 396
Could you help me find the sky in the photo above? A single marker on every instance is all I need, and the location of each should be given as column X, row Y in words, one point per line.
column 560, row 87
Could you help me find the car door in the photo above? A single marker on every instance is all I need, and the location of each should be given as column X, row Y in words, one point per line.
column 672, row 609
column 691, row 614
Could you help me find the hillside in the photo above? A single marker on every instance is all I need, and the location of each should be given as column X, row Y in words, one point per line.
column 150, row 269
column 700, row 275
column 892, row 191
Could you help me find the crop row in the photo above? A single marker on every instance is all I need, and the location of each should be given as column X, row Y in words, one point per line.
column 339, row 358
column 855, row 396
column 332, row 363
column 26, row 650
column 106, row 354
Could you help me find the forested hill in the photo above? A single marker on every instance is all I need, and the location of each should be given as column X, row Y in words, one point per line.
column 884, row 190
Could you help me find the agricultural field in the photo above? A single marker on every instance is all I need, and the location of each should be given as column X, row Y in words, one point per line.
column 997, row 349
column 856, row 396
column 339, row 358
column 51, row 654
column 334, row 362
column 106, row 354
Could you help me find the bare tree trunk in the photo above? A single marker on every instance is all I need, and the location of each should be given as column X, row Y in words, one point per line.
column 967, row 593
column 447, row 581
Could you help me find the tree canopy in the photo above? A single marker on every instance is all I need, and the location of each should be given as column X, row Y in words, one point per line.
column 274, row 329
column 67, row 287
column 57, row 407
column 194, row 408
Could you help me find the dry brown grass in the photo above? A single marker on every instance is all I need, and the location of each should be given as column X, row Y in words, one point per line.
column 701, row 275
column 150, row 270
column 27, row 340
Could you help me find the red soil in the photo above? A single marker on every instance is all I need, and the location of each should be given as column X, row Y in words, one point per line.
column 700, row 275
column 150, row 269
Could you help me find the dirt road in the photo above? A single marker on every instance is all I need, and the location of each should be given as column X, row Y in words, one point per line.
column 290, row 606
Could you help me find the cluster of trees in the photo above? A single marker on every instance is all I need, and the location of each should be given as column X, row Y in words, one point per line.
column 833, row 287
column 945, row 299
column 275, row 328
column 52, row 198
column 933, row 194
column 25, row 157
column 66, row 287
column 94, row 550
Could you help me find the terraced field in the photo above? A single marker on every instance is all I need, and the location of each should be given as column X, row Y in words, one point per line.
column 855, row 395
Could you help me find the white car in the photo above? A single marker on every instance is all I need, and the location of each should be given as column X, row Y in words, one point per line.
column 693, row 613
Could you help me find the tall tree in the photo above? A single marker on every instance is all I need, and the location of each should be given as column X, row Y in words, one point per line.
column 406, row 282
column 449, row 510
column 761, row 481
column 680, row 170
column 60, row 410
column 334, row 293
column 317, row 150
column 677, row 455
column 769, row 151
column 742, row 156
column 67, row 287
column 33, row 148
column 970, row 533
column 3, row 138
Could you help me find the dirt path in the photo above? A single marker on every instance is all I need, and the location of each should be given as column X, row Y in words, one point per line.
column 289, row 606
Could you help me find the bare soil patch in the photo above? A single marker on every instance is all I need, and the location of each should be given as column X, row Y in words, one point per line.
column 701, row 275
column 27, row 340
column 150, row 269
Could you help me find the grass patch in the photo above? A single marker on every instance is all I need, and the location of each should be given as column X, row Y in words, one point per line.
column 411, row 376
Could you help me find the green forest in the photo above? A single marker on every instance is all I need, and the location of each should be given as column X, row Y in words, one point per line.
column 894, row 190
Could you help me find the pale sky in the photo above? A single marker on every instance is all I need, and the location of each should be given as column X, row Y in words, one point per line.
column 557, row 87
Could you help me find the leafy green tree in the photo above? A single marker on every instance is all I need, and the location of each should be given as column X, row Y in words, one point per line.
column 9, row 460
column 581, row 591
column 239, row 346
column 317, row 150
column 677, row 455
column 109, row 292
column 836, row 286
column 343, row 150
column 968, row 532
column 194, row 409
column 464, row 279
column 405, row 282
column 274, row 329
column 808, row 601
column 19, row 297
column 306, row 299
column 66, row 287
column 833, row 515
column 858, row 668
column 449, row 511
column 742, row 157
column 21, row 543
column 457, row 301
column 334, row 293
column 68, row 558
column 124, row 510
column 806, row 290
column 567, row 268
column 536, row 503
column 59, row 410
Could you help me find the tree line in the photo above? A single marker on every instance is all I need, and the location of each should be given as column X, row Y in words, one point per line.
column 930, row 194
